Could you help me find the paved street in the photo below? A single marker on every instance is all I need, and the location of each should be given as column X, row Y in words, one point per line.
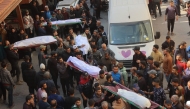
column 180, row 30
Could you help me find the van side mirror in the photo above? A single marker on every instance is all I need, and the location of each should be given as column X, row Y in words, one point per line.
column 157, row 36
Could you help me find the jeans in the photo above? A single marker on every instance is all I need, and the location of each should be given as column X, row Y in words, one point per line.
column 171, row 22
column 15, row 68
column 10, row 94
column 65, row 85
column 178, row 9
column 31, row 89
column 167, row 77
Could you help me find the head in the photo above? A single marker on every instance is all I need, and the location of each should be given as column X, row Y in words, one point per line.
column 78, row 102
column 156, row 64
column 99, row 35
column 94, row 48
column 85, row 75
column 53, row 103
column 42, row 18
column 98, row 23
column 109, row 77
column 71, row 8
column 150, row 60
column 168, row 39
column 175, row 82
column 13, row 30
column 71, row 30
column 46, row 8
column 7, row 43
column 98, row 91
column 101, row 29
column 175, row 69
column 133, row 70
column 120, row 65
column 55, row 33
column 136, row 49
column 4, row 64
column 42, row 66
column 107, row 56
column 60, row 60
column 139, row 73
column 78, row 55
column 26, row 12
column 155, row 48
column 71, row 91
column 59, row 11
column 54, row 90
column 68, row 50
column 115, row 69
column 42, row 47
column 175, row 99
column 104, row 105
column 101, row 65
column 179, row 91
column 43, row 85
column 49, row 24
column 152, row 73
column 95, row 32
column 29, row 99
column 118, row 99
column 104, row 47
column 168, row 104
column 142, row 64
column 54, row 54
column 93, row 43
column 156, row 82
column 97, row 85
column 183, row 45
column 46, row 75
column 166, row 51
column 101, row 74
column 172, row 3
column 91, row 102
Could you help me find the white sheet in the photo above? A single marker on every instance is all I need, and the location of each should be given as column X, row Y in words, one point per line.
column 64, row 22
column 134, row 97
column 39, row 40
column 92, row 70
column 80, row 40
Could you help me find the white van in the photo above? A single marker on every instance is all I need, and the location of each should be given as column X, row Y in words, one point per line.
column 129, row 25
column 67, row 4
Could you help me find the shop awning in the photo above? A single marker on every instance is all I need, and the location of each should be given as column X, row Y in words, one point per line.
column 6, row 7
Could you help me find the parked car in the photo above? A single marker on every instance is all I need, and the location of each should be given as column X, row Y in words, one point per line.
column 67, row 4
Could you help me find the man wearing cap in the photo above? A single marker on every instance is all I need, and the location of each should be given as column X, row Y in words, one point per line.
column 28, row 24
column 156, row 54
column 182, row 51
column 150, row 63
column 85, row 88
column 41, row 56
column 52, row 67
column 43, row 104
column 137, row 57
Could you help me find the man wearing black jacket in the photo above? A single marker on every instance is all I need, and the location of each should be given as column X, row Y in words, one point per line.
column 29, row 77
column 13, row 58
column 138, row 57
column 170, row 44
column 64, row 75
column 98, row 6
column 52, row 67
column 181, row 50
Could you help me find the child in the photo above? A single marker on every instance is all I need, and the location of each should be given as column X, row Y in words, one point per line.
column 168, row 104
column 77, row 104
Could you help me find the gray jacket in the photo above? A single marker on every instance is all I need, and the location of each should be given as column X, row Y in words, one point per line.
column 63, row 71
column 110, row 52
column 5, row 77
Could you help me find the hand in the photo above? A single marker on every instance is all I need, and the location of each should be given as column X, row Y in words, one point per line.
column 176, row 18
column 84, row 98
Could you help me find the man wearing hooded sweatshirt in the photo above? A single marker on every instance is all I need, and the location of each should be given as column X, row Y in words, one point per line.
column 123, row 72
column 182, row 51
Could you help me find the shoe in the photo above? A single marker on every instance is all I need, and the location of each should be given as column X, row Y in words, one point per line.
column 19, row 83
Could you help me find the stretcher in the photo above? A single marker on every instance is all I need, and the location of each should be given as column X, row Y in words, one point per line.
column 34, row 42
column 64, row 22
column 114, row 90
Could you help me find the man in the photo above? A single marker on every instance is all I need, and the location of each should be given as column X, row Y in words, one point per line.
column 167, row 64
column 168, row 104
column 77, row 104
column 156, row 54
column 91, row 61
column 52, row 67
column 24, row 64
column 176, row 103
column 143, row 68
column 182, row 51
column 175, row 82
column 96, row 53
column 104, row 105
column 65, row 14
column 59, row 15
column 141, row 81
column 41, row 56
column 107, row 61
column 47, row 13
column 120, row 104
column 41, row 30
column 104, row 50
column 160, row 73
column 137, row 57
column 101, row 79
column 187, row 92
column 39, row 75
column 170, row 44
column 85, row 88
column 48, row 81
column 98, row 97
column 116, row 75
column 7, row 82
column 157, row 3
column 70, row 100
column 28, row 24
column 97, row 7
column 42, row 89
column 87, row 34
column 171, row 15
column 150, row 63
column 91, row 104
column 67, row 41
column 43, row 104
column 100, row 40
column 180, row 64
column 49, row 28
column 53, row 105
column 29, row 76
column 58, row 98
column 64, row 75
column 109, row 96
column 104, row 35
column 13, row 58
column 28, row 103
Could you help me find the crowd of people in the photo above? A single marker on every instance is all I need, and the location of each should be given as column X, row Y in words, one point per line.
column 146, row 76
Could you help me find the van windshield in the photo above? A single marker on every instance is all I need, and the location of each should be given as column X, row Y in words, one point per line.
column 130, row 33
